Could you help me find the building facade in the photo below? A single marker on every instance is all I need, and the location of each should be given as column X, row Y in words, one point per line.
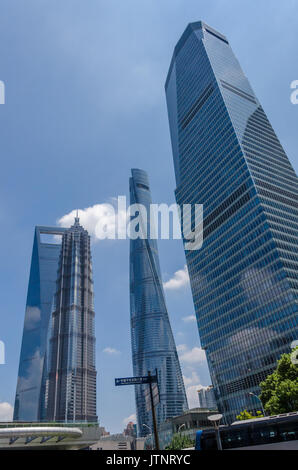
column 29, row 401
column 130, row 430
column 187, row 424
column 153, row 345
column 117, row 442
column 207, row 398
column 71, row 383
column 227, row 157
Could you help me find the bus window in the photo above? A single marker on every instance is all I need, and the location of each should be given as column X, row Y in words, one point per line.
column 264, row 434
column 208, row 441
column 288, row 431
column 234, row 438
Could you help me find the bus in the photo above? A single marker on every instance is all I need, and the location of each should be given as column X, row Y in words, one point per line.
column 278, row 432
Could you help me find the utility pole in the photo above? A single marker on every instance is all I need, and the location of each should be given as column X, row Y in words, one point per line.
column 146, row 379
column 153, row 414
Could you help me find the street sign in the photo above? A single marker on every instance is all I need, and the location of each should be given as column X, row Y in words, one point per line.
column 136, row 380
column 153, row 394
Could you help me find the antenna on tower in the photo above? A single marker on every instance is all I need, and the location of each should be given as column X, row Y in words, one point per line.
column 77, row 220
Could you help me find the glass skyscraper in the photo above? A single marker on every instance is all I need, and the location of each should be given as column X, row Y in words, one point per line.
column 153, row 345
column 71, row 385
column 227, row 157
column 29, row 401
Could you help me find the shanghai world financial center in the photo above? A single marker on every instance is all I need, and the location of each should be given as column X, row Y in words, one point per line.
column 31, row 385
column 244, row 279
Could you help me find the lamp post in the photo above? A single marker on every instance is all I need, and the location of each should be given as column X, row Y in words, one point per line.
column 215, row 419
column 181, row 426
column 254, row 395
column 153, row 411
column 150, row 430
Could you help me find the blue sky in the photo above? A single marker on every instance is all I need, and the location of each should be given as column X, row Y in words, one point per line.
column 85, row 103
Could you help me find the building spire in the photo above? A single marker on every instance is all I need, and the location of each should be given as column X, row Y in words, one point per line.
column 77, row 219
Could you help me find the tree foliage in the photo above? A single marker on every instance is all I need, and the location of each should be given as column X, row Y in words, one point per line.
column 179, row 442
column 279, row 391
column 247, row 415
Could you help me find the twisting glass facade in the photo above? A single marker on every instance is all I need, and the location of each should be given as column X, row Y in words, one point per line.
column 153, row 345
column 227, row 157
column 71, row 385
column 29, row 401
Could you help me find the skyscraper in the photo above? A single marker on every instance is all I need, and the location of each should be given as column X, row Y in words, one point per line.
column 71, row 387
column 206, row 398
column 29, row 401
column 153, row 345
column 227, row 157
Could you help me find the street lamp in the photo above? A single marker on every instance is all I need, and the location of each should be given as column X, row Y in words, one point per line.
column 181, row 426
column 150, row 430
column 215, row 419
column 254, row 395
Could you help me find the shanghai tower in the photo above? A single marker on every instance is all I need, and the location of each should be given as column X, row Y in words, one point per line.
column 153, row 345
column 71, row 386
column 228, row 158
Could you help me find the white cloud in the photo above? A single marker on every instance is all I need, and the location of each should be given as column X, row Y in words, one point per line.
column 191, row 380
column 129, row 419
column 180, row 334
column 192, row 356
column 110, row 350
column 181, row 347
column 179, row 280
column 192, row 385
column 6, row 411
column 203, row 387
column 100, row 220
column 189, row 319
column 32, row 317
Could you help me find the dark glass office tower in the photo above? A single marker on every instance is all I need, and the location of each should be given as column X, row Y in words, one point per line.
column 71, row 387
column 227, row 157
column 153, row 345
column 29, row 401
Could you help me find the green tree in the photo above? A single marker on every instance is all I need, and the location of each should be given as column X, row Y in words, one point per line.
column 279, row 391
column 247, row 415
column 179, row 442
